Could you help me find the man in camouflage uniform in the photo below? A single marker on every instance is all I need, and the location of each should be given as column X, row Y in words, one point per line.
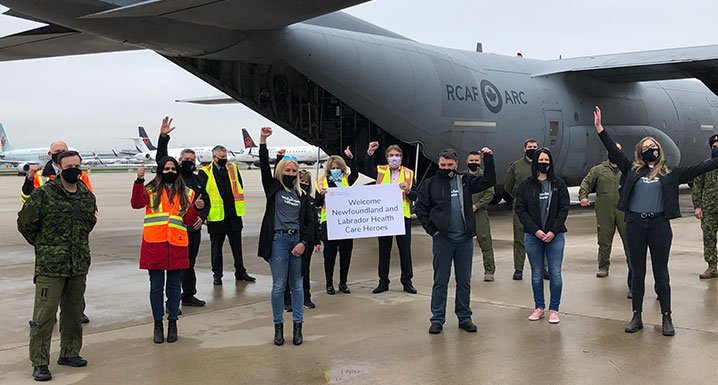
column 483, row 225
column 705, row 202
column 605, row 179
column 57, row 219
column 519, row 171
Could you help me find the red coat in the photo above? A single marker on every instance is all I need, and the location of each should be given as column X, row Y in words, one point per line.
column 161, row 256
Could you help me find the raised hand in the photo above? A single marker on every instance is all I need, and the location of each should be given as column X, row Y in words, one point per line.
column 166, row 126
column 32, row 170
column 141, row 172
column 486, row 151
column 597, row 119
column 199, row 204
column 282, row 151
column 348, row 153
column 264, row 133
column 373, row 146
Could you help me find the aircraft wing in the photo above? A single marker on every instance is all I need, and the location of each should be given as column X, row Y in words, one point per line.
column 209, row 100
column 678, row 63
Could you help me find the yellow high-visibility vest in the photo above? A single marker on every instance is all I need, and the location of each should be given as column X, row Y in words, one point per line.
column 405, row 176
column 325, row 184
column 216, row 210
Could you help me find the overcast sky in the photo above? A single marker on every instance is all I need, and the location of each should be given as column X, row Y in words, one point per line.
column 92, row 100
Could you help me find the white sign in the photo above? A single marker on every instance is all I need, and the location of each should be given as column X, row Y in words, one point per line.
column 364, row 211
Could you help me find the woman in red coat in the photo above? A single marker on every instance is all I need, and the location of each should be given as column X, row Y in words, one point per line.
column 170, row 207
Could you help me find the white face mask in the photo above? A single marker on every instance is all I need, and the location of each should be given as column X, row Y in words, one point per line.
column 394, row 161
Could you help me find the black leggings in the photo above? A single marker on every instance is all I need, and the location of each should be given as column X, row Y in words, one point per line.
column 654, row 234
column 344, row 247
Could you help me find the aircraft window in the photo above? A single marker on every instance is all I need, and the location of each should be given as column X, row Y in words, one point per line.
column 553, row 128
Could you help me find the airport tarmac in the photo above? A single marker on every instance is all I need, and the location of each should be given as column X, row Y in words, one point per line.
column 364, row 338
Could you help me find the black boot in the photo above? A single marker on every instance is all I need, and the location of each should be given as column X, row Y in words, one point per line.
column 279, row 334
column 159, row 332
column 636, row 323
column 172, row 331
column 668, row 329
column 298, row 339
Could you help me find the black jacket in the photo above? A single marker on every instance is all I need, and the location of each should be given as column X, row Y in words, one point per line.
column 434, row 205
column 526, row 205
column 48, row 170
column 669, row 182
column 231, row 222
column 271, row 185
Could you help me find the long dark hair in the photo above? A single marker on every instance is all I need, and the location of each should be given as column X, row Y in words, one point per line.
column 156, row 185
column 534, row 163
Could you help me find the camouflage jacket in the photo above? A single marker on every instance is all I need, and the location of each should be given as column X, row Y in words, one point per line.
column 705, row 192
column 603, row 179
column 58, row 224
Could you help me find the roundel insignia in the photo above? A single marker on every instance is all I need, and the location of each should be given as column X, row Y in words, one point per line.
column 492, row 96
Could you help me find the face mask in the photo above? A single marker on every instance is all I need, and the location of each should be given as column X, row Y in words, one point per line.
column 530, row 153
column 650, row 155
column 394, row 161
column 187, row 167
column 288, row 180
column 336, row 173
column 543, row 167
column 305, row 187
column 448, row 174
column 56, row 158
column 169, row 177
column 473, row 167
column 71, row 175
column 714, row 152
column 221, row 162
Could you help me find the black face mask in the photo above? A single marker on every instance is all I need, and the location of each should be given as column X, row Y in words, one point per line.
column 714, row 152
column 187, row 167
column 169, row 177
column 56, row 158
column 650, row 155
column 288, row 180
column 530, row 153
column 71, row 175
column 473, row 167
column 305, row 187
column 221, row 162
column 448, row 174
column 543, row 167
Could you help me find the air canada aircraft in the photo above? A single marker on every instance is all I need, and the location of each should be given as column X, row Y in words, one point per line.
column 334, row 80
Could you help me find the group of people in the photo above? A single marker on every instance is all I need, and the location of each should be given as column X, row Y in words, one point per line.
column 638, row 196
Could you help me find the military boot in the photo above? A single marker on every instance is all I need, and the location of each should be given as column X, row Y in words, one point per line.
column 711, row 271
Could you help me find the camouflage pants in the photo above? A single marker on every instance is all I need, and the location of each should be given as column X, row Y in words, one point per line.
column 519, row 249
column 483, row 237
column 608, row 220
column 709, row 225
column 51, row 292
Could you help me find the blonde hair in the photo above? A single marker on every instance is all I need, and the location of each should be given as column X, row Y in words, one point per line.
column 279, row 173
column 339, row 161
column 659, row 166
column 304, row 174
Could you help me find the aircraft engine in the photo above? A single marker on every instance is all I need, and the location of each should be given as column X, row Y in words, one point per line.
column 22, row 168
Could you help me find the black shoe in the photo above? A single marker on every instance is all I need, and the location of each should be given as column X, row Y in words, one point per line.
column 172, row 331
column 41, row 373
column 217, row 281
column 288, row 307
column 330, row 290
column 159, row 333
column 435, row 328
column 518, row 275
column 636, row 323
column 545, row 275
column 84, row 319
column 629, row 295
column 381, row 288
column 409, row 288
column 298, row 339
column 75, row 362
column 468, row 326
column 279, row 334
column 344, row 289
column 668, row 329
column 309, row 304
column 193, row 301
column 245, row 277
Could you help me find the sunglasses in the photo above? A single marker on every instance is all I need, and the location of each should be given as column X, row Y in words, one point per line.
column 292, row 158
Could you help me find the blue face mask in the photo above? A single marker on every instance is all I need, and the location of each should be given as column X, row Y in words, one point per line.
column 336, row 174
column 714, row 152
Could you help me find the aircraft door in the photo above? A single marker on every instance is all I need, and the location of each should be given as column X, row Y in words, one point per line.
column 553, row 137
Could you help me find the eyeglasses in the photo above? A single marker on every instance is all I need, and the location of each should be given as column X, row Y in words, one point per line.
column 292, row 158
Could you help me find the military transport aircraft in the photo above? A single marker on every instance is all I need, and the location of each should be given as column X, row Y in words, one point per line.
column 334, row 80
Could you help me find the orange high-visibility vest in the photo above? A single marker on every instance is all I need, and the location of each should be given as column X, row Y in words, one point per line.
column 165, row 224
column 325, row 184
column 40, row 180
column 405, row 176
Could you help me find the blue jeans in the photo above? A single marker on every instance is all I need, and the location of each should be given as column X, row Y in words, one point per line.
column 282, row 264
column 536, row 249
column 461, row 253
column 174, row 292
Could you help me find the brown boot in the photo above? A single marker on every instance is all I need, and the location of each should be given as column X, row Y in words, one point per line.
column 711, row 271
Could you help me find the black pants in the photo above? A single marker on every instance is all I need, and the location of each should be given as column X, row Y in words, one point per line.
column 306, row 259
column 235, row 242
column 403, row 243
column 654, row 234
column 189, row 279
column 344, row 247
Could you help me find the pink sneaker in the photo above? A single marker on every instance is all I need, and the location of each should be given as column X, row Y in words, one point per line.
column 536, row 315
column 553, row 317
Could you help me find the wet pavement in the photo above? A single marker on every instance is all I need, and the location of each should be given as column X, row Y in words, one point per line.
column 364, row 338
